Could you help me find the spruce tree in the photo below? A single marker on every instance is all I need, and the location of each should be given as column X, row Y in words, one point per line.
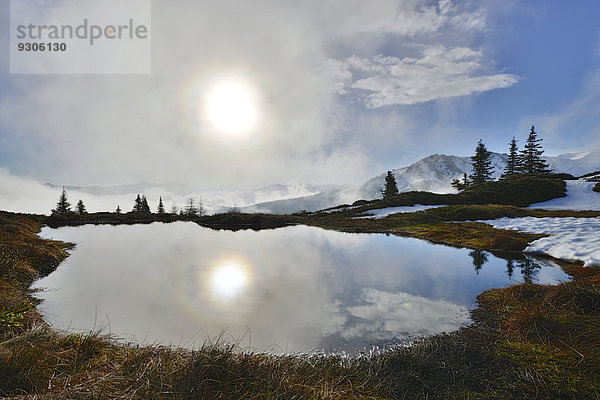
column 510, row 267
column 479, row 258
column 145, row 206
column 161, row 207
column 200, row 208
column 118, row 210
column 391, row 188
column 530, row 158
column 63, row 206
column 482, row 165
column 81, row 207
column 461, row 185
column 190, row 208
column 137, row 205
column 512, row 164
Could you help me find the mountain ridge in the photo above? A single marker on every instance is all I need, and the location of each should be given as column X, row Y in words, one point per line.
column 432, row 173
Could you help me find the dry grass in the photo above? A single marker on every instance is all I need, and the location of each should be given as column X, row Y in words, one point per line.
column 552, row 331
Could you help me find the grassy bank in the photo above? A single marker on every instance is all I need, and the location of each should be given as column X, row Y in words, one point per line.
column 231, row 221
column 447, row 225
column 527, row 341
column 517, row 190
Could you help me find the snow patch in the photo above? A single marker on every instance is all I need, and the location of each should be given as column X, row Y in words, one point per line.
column 384, row 212
column 580, row 196
column 573, row 239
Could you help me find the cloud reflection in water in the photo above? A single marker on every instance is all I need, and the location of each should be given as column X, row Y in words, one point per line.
column 293, row 289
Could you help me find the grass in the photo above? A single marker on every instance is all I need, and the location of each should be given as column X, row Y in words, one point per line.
column 553, row 330
column 447, row 225
column 517, row 190
column 230, row 220
column 527, row 341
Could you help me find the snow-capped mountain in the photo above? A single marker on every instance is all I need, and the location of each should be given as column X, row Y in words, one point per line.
column 433, row 173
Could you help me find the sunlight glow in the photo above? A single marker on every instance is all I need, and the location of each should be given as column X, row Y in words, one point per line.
column 229, row 279
column 231, row 107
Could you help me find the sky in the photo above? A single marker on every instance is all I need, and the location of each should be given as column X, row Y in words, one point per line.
column 250, row 93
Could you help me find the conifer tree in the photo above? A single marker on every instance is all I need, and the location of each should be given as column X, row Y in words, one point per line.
column 81, row 207
column 200, row 208
column 510, row 267
column 63, row 206
column 118, row 210
column 391, row 188
column 482, row 165
column 174, row 209
column 479, row 258
column 461, row 185
column 137, row 205
column 145, row 206
column 512, row 164
column 530, row 158
column 190, row 208
column 161, row 207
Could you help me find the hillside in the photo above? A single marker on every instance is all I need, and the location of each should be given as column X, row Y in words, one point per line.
column 433, row 174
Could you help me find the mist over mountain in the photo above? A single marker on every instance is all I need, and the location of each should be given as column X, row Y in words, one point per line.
column 433, row 173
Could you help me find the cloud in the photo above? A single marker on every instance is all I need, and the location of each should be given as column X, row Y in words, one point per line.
column 309, row 62
column 429, row 20
column 436, row 73
column 388, row 315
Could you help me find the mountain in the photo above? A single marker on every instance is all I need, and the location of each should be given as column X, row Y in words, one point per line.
column 576, row 164
column 433, row 173
column 107, row 197
column 133, row 188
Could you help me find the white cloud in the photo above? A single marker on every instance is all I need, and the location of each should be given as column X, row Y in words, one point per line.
column 388, row 315
column 438, row 73
column 429, row 20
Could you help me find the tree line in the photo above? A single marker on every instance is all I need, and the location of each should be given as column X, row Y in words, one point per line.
column 192, row 208
column 526, row 161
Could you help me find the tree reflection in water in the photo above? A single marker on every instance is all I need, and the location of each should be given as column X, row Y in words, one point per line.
column 528, row 267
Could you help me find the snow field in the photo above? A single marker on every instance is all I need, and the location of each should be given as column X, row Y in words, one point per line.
column 573, row 239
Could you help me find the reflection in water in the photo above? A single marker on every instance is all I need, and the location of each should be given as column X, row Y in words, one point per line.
column 292, row 289
column 510, row 267
column 229, row 279
column 529, row 269
column 479, row 258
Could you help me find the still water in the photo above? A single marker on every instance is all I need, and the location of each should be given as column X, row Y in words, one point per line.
column 295, row 289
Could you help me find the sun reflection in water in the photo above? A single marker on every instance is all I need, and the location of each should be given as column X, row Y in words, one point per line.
column 229, row 279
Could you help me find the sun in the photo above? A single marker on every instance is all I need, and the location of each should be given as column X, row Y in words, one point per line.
column 229, row 279
column 231, row 107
